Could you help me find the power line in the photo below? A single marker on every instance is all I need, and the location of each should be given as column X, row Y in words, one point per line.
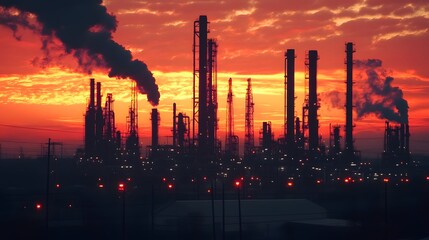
column 38, row 129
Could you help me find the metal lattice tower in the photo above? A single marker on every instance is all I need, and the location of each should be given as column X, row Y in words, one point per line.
column 109, row 131
column 212, row 105
column 132, row 142
column 132, row 119
column 231, row 141
column 249, row 141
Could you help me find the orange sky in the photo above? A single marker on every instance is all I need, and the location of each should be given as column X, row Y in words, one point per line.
column 252, row 38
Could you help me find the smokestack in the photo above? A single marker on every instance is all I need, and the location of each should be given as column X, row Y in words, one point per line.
column 266, row 135
column 290, row 103
column 349, row 148
column 336, row 139
column 297, row 128
column 386, row 137
column 181, row 129
column 174, row 125
column 202, row 91
column 407, row 139
column 155, row 125
column 98, row 95
column 90, row 122
column 99, row 121
column 91, row 93
column 402, row 137
column 313, row 122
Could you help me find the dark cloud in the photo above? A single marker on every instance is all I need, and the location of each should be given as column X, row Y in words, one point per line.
column 85, row 29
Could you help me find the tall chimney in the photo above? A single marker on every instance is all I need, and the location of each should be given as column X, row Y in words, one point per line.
column 313, row 122
column 98, row 95
column 202, row 91
column 174, row 125
column 290, row 103
column 181, row 129
column 99, row 121
column 349, row 148
column 91, row 93
column 155, row 121
column 90, row 122
column 407, row 138
column 402, row 138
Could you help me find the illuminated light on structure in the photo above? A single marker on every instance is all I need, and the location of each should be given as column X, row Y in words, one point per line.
column 170, row 186
column 290, row 184
column 386, row 180
column 38, row 206
column 237, row 183
column 100, row 185
column 121, row 187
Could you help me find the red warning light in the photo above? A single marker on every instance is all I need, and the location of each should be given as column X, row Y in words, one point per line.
column 57, row 186
column 170, row 186
column 346, row 180
column 164, row 179
column 38, row 206
column 385, row 180
column 427, row 178
column 237, row 183
column 121, row 187
column 100, row 185
column 290, row 184
column 209, row 190
column 318, row 181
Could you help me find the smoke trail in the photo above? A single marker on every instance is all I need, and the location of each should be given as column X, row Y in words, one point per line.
column 379, row 96
column 85, row 29
column 334, row 98
column 13, row 20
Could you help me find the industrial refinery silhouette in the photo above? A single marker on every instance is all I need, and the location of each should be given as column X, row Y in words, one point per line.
column 202, row 186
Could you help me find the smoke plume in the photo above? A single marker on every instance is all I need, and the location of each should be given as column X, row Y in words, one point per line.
column 378, row 96
column 85, row 30
column 334, row 98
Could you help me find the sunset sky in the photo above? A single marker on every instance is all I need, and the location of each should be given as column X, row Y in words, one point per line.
column 41, row 99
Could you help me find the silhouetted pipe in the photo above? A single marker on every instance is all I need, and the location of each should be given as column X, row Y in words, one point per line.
column 402, row 137
column 349, row 98
column 91, row 93
column 155, row 120
column 181, row 128
column 90, row 121
column 313, row 122
column 98, row 120
column 174, row 125
column 297, row 128
column 407, row 139
column 290, row 79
